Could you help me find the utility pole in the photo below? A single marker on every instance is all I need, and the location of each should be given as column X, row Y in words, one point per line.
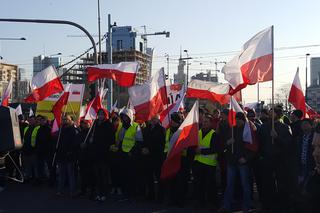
column 99, row 32
column 110, row 83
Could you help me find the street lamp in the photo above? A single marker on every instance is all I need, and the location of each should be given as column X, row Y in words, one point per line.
column 307, row 55
column 55, row 54
column 14, row 39
column 186, row 51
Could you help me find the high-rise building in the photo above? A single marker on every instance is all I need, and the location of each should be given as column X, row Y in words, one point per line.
column 180, row 77
column 24, row 75
column 126, row 38
column 315, row 71
column 209, row 76
column 8, row 71
column 41, row 62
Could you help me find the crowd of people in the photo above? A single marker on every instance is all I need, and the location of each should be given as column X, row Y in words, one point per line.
column 114, row 157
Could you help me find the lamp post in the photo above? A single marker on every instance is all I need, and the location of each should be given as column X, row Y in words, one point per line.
column 187, row 58
column 307, row 55
column 167, row 56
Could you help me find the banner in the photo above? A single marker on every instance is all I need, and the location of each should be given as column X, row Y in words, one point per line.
column 73, row 107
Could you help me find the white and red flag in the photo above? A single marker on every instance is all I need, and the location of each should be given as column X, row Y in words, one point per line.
column 44, row 84
column 253, row 64
column 150, row 98
column 58, row 106
column 311, row 113
column 95, row 104
column 123, row 73
column 6, row 94
column 296, row 96
column 175, row 107
column 210, row 91
column 186, row 136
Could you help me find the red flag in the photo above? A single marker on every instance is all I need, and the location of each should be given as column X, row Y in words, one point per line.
column 150, row 98
column 6, row 94
column 175, row 107
column 296, row 96
column 253, row 64
column 44, row 84
column 123, row 73
column 234, row 108
column 186, row 136
column 311, row 112
column 58, row 106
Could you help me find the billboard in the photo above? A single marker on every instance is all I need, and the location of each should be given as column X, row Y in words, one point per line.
column 74, row 102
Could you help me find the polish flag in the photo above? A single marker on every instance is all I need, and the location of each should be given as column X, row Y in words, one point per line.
column 123, row 73
column 311, row 113
column 95, row 104
column 253, row 64
column 186, row 136
column 19, row 110
column 44, row 84
column 61, row 102
column 209, row 90
column 175, row 107
column 6, row 95
column 234, row 108
column 296, row 96
column 150, row 98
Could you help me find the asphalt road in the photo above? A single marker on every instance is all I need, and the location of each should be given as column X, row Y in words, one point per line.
column 26, row 198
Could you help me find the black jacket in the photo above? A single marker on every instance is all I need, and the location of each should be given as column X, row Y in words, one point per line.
column 68, row 145
column 100, row 140
column 154, row 140
column 44, row 145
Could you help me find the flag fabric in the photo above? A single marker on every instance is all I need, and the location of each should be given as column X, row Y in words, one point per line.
column 186, row 136
column 58, row 106
column 31, row 113
column 44, row 84
column 296, row 96
column 123, row 73
column 234, row 108
column 6, row 94
column 95, row 104
column 114, row 107
column 209, row 90
column 253, row 64
column 19, row 110
column 175, row 107
column 150, row 98
column 311, row 113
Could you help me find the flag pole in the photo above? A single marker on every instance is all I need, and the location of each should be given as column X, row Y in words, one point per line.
column 232, row 131
column 165, row 87
column 272, row 44
column 59, row 136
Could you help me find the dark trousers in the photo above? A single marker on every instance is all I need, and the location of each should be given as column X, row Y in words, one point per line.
column 128, row 174
column 115, row 172
column 205, row 183
column 86, row 175
column 275, row 186
column 101, row 177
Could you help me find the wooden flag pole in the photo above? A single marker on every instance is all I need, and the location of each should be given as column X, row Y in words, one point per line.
column 272, row 42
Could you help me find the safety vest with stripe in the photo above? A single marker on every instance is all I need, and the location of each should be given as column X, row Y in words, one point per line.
column 210, row 160
column 129, row 138
column 166, row 145
column 33, row 135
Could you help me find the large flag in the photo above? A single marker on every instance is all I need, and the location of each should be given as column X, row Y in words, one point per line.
column 95, row 104
column 211, row 91
column 150, row 98
column 296, row 96
column 44, row 84
column 311, row 113
column 253, row 64
column 123, row 73
column 58, row 106
column 186, row 136
column 6, row 94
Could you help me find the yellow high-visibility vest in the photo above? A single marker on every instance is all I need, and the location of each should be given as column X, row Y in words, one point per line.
column 33, row 135
column 118, row 131
column 210, row 160
column 129, row 138
column 166, row 145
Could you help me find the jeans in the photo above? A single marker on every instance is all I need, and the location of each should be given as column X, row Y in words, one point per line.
column 66, row 172
column 245, row 182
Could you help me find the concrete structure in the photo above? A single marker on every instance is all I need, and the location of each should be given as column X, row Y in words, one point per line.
column 8, row 71
column 315, row 71
column 23, row 90
column 41, row 62
column 25, row 75
column 209, row 76
column 126, row 38
column 180, row 77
